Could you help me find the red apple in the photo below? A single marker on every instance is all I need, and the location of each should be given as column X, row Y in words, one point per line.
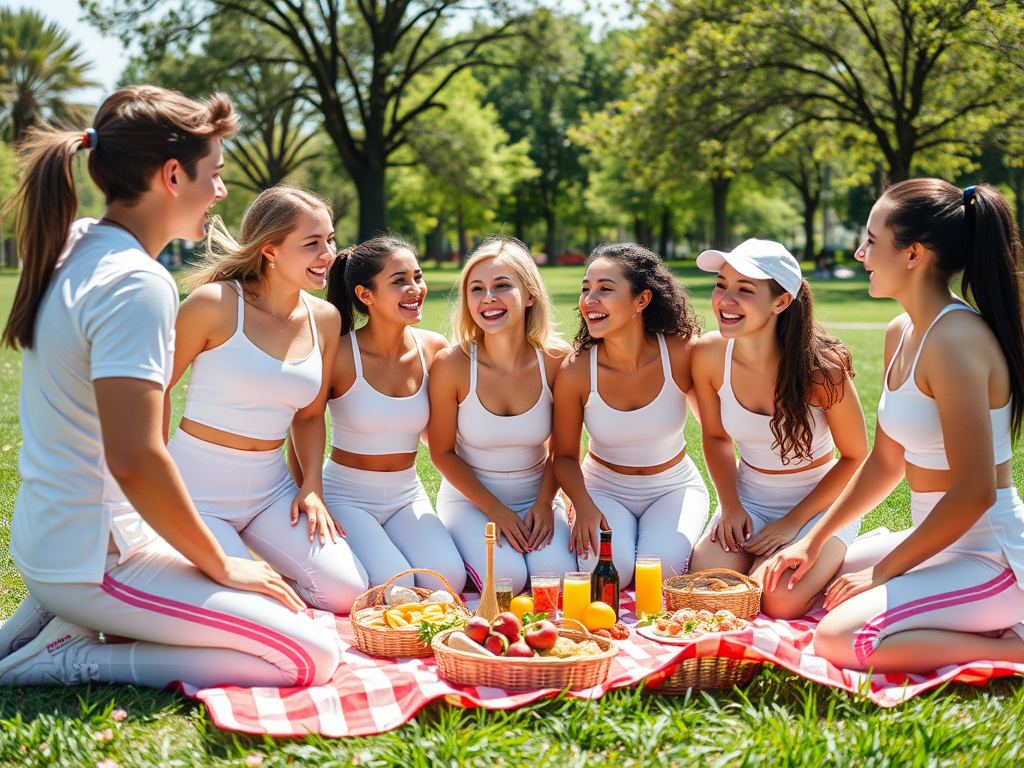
column 477, row 629
column 541, row 635
column 519, row 650
column 496, row 644
column 508, row 625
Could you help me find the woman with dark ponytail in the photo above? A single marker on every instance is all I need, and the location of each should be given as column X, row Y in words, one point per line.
column 950, row 590
column 379, row 411
column 778, row 385
column 104, row 532
column 629, row 382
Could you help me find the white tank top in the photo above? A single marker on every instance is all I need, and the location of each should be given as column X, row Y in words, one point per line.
column 238, row 388
column 370, row 423
column 911, row 418
column 644, row 437
column 495, row 443
column 753, row 431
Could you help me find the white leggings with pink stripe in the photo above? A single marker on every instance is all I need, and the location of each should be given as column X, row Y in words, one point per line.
column 186, row 627
column 969, row 587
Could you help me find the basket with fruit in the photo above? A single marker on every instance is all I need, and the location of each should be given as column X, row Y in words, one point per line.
column 716, row 589
column 395, row 621
column 514, row 655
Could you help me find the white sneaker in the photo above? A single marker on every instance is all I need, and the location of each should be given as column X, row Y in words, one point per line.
column 23, row 625
column 53, row 657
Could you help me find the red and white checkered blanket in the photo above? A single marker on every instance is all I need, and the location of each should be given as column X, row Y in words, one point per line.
column 369, row 695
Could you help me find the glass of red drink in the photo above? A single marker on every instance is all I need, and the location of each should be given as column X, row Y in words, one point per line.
column 546, row 587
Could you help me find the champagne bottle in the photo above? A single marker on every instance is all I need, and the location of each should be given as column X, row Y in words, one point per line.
column 604, row 583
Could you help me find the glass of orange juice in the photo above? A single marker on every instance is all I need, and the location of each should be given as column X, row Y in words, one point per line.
column 648, row 584
column 575, row 594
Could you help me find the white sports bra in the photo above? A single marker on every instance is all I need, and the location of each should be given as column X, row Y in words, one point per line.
column 911, row 418
column 237, row 387
column 495, row 443
column 644, row 437
column 370, row 423
column 753, row 432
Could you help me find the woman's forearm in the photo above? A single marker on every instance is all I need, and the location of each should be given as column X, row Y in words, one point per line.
column 869, row 486
column 309, row 436
column 720, row 458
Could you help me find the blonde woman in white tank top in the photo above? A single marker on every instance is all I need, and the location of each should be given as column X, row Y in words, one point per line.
column 379, row 410
column 491, row 417
column 756, row 382
column 629, row 384
column 951, row 590
column 260, row 347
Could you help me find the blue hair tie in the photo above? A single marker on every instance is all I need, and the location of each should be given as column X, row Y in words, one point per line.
column 968, row 195
column 92, row 140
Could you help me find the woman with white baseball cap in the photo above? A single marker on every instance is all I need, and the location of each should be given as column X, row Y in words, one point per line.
column 778, row 385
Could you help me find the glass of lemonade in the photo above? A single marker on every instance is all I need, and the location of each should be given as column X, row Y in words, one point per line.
column 575, row 595
column 648, row 584
column 503, row 592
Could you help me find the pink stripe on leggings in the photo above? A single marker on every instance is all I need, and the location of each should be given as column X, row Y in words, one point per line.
column 867, row 638
column 473, row 575
column 292, row 650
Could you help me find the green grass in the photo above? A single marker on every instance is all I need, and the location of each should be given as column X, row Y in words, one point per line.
column 778, row 720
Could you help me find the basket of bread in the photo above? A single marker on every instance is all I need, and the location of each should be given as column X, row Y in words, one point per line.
column 716, row 589
column 396, row 621
column 536, row 653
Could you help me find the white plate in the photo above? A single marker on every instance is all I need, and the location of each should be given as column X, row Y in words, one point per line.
column 649, row 633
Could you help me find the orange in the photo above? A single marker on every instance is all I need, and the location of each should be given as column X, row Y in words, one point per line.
column 599, row 615
column 520, row 605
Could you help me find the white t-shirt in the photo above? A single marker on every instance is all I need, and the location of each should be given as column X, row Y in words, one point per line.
column 109, row 311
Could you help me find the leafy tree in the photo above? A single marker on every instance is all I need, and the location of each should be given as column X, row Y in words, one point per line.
column 362, row 58
column 40, row 68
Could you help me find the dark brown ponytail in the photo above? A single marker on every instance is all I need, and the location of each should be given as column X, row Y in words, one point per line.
column 135, row 131
column 359, row 265
column 970, row 231
column 811, row 357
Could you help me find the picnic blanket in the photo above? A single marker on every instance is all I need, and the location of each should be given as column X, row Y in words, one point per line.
column 369, row 695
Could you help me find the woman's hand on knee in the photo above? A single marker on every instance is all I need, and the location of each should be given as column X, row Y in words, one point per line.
column 540, row 520
column 850, row 584
column 311, row 503
column 512, row 527
column 798, row 557
column 732, row 530
column 256, row 576
column 773, row 537
column 585, row 536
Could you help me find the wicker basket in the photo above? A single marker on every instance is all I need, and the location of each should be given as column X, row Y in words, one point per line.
column 389, row 641
column 467, row 668
column 744, row 603
column 708, row 672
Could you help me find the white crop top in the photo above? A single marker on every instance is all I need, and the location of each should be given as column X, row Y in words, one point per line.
column 911, row 418
column 644, row 437
column 753, row 433
column 238, row 388
column 495, row 443
column 370, row 423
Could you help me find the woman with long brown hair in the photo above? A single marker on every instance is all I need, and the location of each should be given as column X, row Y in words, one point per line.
column 952, row 402
column 780, row 386
column 104, row 533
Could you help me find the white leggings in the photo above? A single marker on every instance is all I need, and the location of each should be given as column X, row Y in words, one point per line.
column 391, row 526
column 245, row 498
column 517, row 491
column 767, row 498
column 968, row 587
column 661, row 515
column 189, row 628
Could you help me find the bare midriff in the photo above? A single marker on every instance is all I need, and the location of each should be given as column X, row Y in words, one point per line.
column 227, row 439
column 818, row 462
column 388, row 462
column 623, row 470
column 923, row 480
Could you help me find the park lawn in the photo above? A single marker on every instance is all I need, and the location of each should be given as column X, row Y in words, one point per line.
column 779, row 719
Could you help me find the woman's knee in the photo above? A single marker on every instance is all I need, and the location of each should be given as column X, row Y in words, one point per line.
column 784, row 604
column 834, row 640
column 321, row 647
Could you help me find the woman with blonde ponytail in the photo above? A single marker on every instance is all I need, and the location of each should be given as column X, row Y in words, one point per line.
column 104, row 532
column 950, row 590
column 260, row 348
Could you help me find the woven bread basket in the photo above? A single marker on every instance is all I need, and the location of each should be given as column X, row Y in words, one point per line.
column 388, row 641
column 742, row 598
column 708, row 672
column 465, row 668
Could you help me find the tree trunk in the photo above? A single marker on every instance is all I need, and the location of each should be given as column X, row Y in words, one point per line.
column 549, row 233
column 719, row 196
column 520, row 230
column 463, row 240
column 666, row 232
column 373, row 202
column 435, row 241
column 810, row 209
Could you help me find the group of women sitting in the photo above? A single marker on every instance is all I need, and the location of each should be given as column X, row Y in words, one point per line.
column 118, row 531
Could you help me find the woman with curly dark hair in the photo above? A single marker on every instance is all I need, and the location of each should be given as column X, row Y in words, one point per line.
column 779, row 385
column 629, row 383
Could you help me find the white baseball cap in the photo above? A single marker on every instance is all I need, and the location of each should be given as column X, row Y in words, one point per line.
column 760, row 260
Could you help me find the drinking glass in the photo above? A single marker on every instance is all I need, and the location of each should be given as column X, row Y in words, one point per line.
column 648, row 584
column 545, row 593
column 503, row 591
column 576, row 595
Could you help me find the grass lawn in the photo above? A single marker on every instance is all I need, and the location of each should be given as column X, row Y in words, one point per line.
column 778, row 719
